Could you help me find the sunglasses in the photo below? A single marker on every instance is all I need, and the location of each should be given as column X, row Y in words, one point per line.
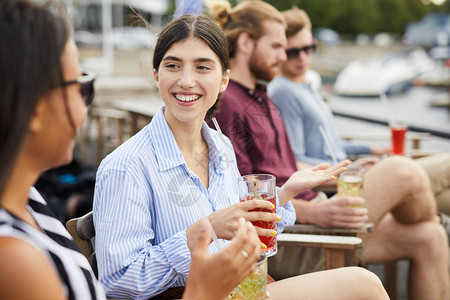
column 295, row 52
column 86, row 82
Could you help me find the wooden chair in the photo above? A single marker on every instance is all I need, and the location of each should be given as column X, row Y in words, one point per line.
column 83, row 232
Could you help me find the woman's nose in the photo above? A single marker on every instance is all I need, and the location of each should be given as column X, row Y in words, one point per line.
column 186, row 80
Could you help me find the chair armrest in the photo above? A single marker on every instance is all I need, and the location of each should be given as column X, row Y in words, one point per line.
column 313, row 229
column 319, row 241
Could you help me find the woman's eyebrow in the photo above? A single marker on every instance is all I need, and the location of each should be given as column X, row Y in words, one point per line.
column 201, row 59
column 171, row 58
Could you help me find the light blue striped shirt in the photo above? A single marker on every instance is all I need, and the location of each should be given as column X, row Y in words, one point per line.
column 303, row 111
column 146, row 197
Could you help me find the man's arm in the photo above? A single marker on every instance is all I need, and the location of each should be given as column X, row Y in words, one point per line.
column 334, row 212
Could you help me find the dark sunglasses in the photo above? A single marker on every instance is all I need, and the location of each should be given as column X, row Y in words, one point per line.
column 86, row 82
column 295, row 52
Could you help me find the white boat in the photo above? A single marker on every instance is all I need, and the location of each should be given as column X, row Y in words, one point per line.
column 376, row 76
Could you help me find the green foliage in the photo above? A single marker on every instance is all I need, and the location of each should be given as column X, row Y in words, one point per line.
column 351, row 17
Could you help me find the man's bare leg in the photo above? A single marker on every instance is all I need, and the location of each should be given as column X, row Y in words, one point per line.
column 344, row 283
column 424, row 244
column 403, row 209
column 399, row 186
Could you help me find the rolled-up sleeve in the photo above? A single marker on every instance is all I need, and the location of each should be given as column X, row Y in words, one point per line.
column 287, row 214
column 130, row 265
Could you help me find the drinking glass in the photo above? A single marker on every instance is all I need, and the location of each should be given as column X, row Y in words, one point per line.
column 398, row 133
column 253, row 287
column 261, row 187
column 350, row 183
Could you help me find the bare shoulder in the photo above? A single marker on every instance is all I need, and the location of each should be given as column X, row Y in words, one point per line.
column 26, row 273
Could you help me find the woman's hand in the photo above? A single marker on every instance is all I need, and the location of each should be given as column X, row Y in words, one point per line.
column 214, row 277
column 226, row 221
column 309, row 178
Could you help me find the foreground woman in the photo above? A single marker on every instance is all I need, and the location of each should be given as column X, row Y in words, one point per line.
column 151, row 191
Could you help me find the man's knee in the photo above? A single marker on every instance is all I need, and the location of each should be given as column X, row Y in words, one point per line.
column 407, row 171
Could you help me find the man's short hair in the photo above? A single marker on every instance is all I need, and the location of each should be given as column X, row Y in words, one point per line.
column 296, row 20
column 247, row 17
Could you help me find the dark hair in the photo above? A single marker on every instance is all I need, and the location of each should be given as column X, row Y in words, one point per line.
column 32, row 41
column 201, row 27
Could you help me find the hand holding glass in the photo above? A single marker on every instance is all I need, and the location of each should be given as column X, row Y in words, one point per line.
column 261, row 187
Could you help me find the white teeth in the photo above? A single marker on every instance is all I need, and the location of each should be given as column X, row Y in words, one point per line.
column 187, row 98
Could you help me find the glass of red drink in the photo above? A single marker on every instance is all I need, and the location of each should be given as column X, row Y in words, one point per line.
column 398, row 132
column 261, row 187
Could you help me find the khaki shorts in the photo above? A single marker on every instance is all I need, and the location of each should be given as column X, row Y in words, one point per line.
column 438, row 169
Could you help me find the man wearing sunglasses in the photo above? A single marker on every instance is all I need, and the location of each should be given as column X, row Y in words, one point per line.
column 398, row 199
column 301, row 107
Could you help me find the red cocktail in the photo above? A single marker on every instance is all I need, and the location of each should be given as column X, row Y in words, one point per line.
column 398, row 139
column 261, row 187
column 269, row 241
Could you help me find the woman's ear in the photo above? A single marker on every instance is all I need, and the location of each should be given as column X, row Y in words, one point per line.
column 155, row 75
column 225, row 80
column 36, row 119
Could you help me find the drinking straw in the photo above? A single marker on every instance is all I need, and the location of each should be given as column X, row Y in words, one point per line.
column 216, row 125
column 387, row 109
column 221, row 134
column 327, row 143
column 213, row 233
column 204, row 215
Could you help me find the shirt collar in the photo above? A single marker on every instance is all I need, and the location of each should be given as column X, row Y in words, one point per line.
column 166, row 148
column 259, row 87
column 216, row 146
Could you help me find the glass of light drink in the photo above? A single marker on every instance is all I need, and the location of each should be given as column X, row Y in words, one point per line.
column 253, row 287
column 261, row 187
column 350, row 183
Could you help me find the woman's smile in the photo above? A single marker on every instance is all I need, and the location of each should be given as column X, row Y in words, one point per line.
column 187, row 99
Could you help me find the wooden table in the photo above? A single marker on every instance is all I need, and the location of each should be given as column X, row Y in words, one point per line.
column 139, row 108
column 415, row 137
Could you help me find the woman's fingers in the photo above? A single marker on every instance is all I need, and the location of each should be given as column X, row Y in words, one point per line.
column 265, row 232
column 199, row 248
column 257, row 204
column 246, row 243
column 321, row 166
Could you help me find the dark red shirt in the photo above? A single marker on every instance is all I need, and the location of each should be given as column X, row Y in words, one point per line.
column 253, row 124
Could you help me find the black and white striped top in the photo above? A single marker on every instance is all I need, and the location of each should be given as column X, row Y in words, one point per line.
column 74, row 270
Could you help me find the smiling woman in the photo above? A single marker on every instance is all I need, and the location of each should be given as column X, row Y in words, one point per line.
column 190, row 83
column 153, row 190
